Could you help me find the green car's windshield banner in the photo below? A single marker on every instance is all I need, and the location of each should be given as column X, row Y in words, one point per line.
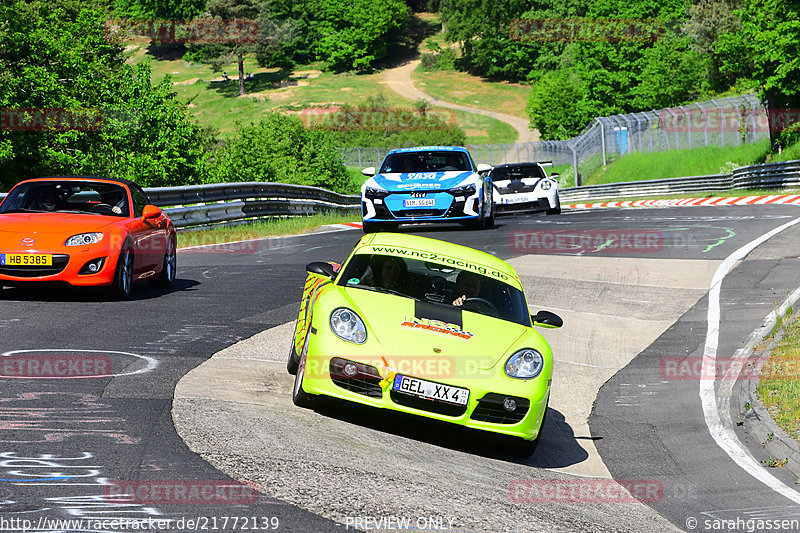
column 439, row 258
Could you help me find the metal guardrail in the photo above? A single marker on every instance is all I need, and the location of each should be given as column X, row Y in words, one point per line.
column 763, row 176
column 238, row 203
column 226, row 203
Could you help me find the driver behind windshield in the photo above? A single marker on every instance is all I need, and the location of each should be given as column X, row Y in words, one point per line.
column 468, row 285
column 48, row 200
column 389, row 273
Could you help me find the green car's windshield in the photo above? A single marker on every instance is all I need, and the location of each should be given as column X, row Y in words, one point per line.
column 433, row 282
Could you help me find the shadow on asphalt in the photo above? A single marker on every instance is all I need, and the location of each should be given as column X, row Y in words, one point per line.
column 60, row 292
column 558, row 448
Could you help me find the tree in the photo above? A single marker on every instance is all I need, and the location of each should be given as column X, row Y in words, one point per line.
column 557, row 105
column 160, row 9
column 280, row 149
column 768, row 50
column 353, row 35
column 56, row 60
column 260, row 34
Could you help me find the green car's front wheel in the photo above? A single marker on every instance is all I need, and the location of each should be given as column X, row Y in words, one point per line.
column 300, row 397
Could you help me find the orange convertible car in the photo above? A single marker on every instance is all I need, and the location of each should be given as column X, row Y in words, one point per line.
column 84, row 231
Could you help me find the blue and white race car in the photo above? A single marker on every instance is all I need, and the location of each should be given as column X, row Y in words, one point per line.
column 426, row 184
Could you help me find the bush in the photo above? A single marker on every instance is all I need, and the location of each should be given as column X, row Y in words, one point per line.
column 280, row 149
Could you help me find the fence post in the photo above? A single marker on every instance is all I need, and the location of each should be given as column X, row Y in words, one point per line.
column 753, row 105
column 359, row 158
column 688, row 124
column 602, row 139
column 721, row 123
column 675, row 117
column 705, row 122
column 491, row 157
column 575, row 165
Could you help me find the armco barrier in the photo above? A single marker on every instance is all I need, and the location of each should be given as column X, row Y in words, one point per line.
column 225, row 203
column 232, row 203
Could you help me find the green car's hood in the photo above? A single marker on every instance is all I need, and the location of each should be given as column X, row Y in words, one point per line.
column 411, row 332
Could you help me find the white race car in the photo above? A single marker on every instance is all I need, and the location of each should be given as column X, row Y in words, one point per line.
column 520, row 187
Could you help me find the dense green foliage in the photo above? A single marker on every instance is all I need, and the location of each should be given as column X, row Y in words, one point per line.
column 346, row 35
column 618, row 56
column 280, row 149
column 69, row 104
column 56, row 60
column 375, row 124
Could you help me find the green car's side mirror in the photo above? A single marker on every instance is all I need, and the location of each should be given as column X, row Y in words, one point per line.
column 546, row 319
column 322, row 268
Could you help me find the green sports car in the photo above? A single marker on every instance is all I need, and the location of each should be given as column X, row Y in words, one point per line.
column 425, row 327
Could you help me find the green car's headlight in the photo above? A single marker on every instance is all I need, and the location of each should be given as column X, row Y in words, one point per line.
column 525, row 364
column 348, row 326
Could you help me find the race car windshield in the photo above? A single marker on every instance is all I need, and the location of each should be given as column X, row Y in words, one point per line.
column 434, row 282
column 517, row 172
column 96, row 198
column 431, row 161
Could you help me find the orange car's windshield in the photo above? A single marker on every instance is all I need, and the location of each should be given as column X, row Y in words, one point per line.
column 97, row 198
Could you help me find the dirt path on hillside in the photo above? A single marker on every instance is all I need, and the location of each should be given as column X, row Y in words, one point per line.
column 399, row 80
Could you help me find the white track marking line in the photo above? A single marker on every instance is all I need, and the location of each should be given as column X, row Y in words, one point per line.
column 722, row 432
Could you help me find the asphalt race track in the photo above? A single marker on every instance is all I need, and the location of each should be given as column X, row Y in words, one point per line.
column 632, row 286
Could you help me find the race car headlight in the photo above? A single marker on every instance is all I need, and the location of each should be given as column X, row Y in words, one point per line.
column 525, row 364
column 348, row 326
column 372, row 193
column 546, row 185
column 83, row 239
column 464, row 190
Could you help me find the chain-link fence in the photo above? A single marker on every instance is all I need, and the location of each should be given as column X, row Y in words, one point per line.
column 721, row 122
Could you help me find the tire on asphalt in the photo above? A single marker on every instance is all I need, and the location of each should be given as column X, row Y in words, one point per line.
column 122, row 288
column 169, row 267
column 300, row 397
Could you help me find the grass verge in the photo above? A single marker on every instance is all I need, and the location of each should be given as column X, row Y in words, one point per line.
column 678, row 163
column 779, row 387
column 465, row 89
column 706, row 194
column 270, row 228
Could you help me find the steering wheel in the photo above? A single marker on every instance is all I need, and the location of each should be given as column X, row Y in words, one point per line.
column 482, row 301
column 101, row 208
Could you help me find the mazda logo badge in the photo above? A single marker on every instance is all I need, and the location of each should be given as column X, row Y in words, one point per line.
column 27, row 241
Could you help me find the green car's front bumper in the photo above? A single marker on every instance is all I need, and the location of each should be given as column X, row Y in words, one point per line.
column 487, row 390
